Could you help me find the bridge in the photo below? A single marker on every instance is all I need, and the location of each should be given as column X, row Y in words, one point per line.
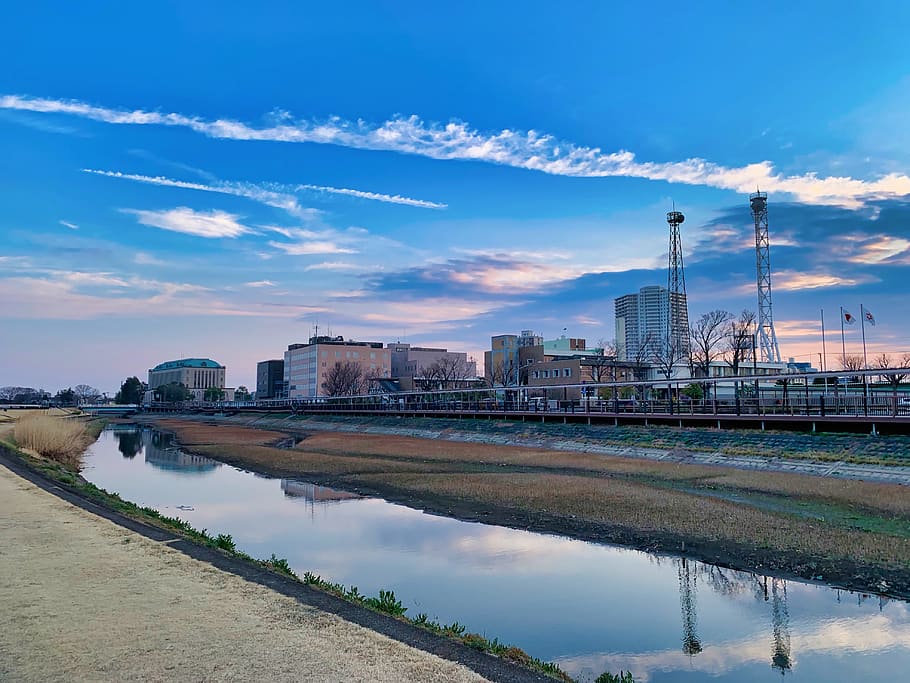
column 872, row 401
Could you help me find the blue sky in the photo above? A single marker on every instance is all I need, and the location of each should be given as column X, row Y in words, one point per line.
column 210, row 180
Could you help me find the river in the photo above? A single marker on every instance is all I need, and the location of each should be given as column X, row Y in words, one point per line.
column 588, row 607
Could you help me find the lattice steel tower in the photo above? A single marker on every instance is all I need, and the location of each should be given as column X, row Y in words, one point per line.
column 677, row 308
column 767, row 339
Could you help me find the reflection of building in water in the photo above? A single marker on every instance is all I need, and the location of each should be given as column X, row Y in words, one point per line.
column 687, row 588
column 160, row 454
column 314, row 493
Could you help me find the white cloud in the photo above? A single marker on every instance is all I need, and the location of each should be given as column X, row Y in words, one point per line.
column 311, row 247
column 376, row 196
column 530, row 150
column 340, row 266
column 71, row 226
column 261, row 283
column 275, row 195
column 256, row 193
column 143, row 259
column 211, row 224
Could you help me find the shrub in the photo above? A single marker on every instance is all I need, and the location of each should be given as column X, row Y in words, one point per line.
column 387, row 603
column 63, row 440
column 607, row 677
column 225, row 542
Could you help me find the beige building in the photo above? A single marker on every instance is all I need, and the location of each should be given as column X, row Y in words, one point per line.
column 306, row 366
column 580, row 371
column 196, row 374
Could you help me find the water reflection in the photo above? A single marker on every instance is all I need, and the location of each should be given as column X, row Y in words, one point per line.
column 592, row 608
column 314, row 493
column 129, row 443
column 161, row 453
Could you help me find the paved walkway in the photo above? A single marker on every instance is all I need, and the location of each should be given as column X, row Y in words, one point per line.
column 82, row 599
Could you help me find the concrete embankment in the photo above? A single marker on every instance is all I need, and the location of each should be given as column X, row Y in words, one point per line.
column 86, row 599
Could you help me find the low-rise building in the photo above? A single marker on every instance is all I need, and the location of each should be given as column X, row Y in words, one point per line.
column 418, row 367
column 269, row 379
column 196, row 374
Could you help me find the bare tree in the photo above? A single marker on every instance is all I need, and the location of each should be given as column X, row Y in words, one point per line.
column 603, row 367
column 344, row 379
column 667, row 354
column 707, row 334
column 428, row 376
column 86, row 394
column 885, row 362
column 504, row 373
column 450, row 369
column 739, row 346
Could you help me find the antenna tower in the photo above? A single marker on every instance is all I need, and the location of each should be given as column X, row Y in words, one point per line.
column 767, row 339
column 677, row 312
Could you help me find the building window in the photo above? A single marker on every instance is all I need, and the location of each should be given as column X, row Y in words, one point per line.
column 536, row 374
column 567, row 372
column 372, row 355
column 356, row 354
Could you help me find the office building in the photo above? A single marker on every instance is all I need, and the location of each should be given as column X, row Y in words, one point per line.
column 269, row 379
column 306, row 366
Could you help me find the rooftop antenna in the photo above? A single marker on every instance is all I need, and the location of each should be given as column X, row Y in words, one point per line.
column 767, row 339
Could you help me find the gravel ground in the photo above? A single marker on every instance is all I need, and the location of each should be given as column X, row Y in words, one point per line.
column 86, row 600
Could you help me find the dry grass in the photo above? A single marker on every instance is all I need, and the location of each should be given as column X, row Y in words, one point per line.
column 648, row 509
column 63, row 440
column 198, row 433
column 644, row 496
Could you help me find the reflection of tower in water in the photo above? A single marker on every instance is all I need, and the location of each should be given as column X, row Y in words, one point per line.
column 687, row 589
column 780, row 626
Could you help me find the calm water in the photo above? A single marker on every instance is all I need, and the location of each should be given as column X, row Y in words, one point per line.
column 588, row 607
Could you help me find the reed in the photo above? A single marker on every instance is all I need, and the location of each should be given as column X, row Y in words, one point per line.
column 63, row 440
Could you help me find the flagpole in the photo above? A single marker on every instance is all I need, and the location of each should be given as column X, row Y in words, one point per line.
column 843, row 344
column 862, row 322
column 824, row 353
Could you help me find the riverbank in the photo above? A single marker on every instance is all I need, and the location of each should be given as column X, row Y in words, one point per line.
column 850, row 533
column 124, row 600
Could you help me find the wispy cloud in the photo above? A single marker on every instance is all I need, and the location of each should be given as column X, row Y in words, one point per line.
column 340, row 266
column 143, row 259
column 210, row 224
column 375, row 196
column 276, row 195
column 261, row 283
column 311, row 247
column 787, row 280
column 530, row 150
column 71, row 226
column 256, row 193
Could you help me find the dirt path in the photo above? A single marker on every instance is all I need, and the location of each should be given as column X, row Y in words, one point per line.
column 86, row 600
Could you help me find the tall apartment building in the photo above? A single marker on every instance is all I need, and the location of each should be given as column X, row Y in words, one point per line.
column 647, row 320
column 307, row 365
column 269, row 379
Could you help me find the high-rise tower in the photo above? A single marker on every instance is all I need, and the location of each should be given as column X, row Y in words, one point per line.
column 677, row 342
column 767, row 339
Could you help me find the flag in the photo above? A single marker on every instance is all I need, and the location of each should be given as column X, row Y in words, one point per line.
column 848, row 317
column 869, row 317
